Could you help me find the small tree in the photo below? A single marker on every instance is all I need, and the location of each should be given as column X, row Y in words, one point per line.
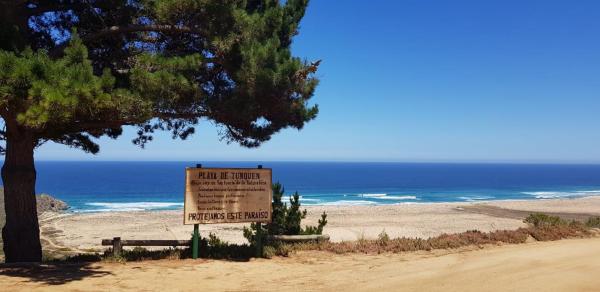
column 285, row 220
column 154, row 65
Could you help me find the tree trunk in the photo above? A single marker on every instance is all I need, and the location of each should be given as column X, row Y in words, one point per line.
column 21, row 234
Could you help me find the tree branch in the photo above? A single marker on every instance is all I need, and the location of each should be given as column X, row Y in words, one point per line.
column 115, row 30
column 180, row 116
column 94, row 125
column 142, row 27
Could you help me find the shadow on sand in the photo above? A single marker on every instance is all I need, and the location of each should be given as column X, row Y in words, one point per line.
column 52, row 274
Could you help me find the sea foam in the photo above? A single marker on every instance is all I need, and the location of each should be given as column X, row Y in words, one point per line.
column 132, row 206
column 386, row 197
column 349, row 203
column 557, row 195
column 476, row 198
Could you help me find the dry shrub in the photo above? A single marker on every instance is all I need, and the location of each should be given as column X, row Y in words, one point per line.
column 572, row 230
column 475, row 237
column 471, row 237
column 510, row 236
column 383, row 244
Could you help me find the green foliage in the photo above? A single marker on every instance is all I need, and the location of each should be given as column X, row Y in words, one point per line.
column 544, row 220
column 286, row 220
column 383, row 238
column 316, row 229
column 215, row 248
column 140, row 254
column 269, row 252
column 593, row 222
column 59, row 91
column 137, row 253
column 163, row 65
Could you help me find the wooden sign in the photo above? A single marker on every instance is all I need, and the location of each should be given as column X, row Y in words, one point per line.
column 227, row 195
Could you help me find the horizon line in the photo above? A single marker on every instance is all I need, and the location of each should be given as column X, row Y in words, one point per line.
column 338, row 161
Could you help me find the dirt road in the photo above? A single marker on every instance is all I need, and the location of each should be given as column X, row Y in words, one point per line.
column 567, row 265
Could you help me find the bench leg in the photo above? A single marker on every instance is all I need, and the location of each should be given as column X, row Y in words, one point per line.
column 117, row 246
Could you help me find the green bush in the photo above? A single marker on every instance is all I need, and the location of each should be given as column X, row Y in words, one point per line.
column 214, row 248
column 139, row 253
column 269, row 252
column 286, row 220
column 544, row 220
column 383, row 238
column 593, row 222
column 316, row 229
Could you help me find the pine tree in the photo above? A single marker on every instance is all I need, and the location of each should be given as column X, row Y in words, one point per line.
column 285, row 219
column 72, row 71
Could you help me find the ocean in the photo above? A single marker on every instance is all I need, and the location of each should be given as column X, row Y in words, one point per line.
column 133, row 186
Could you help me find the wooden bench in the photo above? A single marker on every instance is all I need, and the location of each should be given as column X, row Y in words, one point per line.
column 117, row 243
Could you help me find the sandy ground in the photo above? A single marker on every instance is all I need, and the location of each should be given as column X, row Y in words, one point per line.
column 82, row 232
column 566, row 265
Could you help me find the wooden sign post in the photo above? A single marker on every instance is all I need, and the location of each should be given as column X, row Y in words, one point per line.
column 226, row 195
column 259, row 243
column 196, row 235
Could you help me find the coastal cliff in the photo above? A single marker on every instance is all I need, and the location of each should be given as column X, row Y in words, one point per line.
column 45, row 203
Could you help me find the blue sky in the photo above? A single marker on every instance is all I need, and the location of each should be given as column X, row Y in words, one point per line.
column 452, row 81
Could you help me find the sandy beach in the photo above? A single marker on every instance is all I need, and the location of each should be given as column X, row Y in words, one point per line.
column 84, row 231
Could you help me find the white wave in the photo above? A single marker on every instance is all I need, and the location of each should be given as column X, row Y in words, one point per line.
column 399, row 198
column 348, row 203
column 309, row 200
column 302, row 199
column 475, row 198
column 386, row 197
column 132, row 206
column 109, row 210
column 557, row 195
column 372, row 195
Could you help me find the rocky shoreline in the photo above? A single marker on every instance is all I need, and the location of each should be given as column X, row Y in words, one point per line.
column 47, row 203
